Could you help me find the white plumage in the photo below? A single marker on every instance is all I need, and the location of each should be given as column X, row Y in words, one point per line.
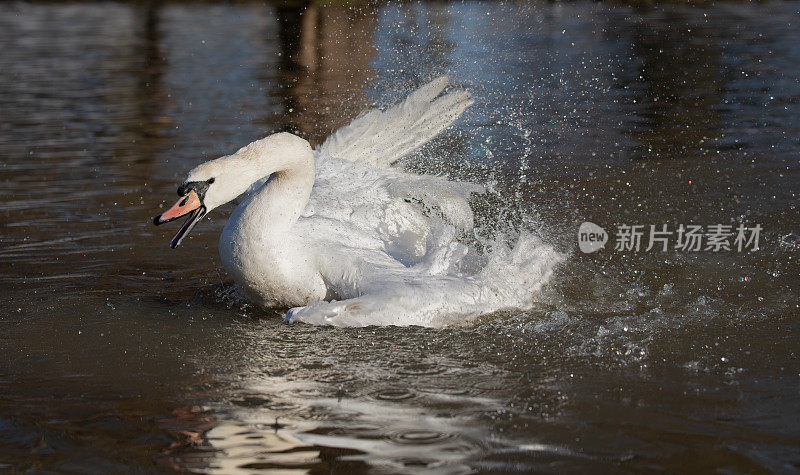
column 346, row 239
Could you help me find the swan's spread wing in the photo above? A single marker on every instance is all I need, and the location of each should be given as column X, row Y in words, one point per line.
column 413, row 217
column 398, row 209
column 381, row 138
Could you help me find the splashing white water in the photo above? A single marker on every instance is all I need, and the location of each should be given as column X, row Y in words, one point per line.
column 423, row 222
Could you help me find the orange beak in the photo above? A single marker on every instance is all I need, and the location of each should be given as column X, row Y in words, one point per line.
column 185, row 205
column 189, row 204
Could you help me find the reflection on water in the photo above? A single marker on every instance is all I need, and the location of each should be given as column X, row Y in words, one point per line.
column 120, row 354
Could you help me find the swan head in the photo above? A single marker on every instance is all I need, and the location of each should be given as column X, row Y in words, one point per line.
column 216, row 182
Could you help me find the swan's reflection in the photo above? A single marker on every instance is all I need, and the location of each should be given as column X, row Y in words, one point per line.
column 275, row 423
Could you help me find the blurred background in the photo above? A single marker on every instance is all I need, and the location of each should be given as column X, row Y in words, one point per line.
column 119, row 354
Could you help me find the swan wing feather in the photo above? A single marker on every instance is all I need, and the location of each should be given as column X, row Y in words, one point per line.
column 381, row 138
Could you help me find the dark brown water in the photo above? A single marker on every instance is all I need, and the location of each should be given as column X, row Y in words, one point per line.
column 120, row 354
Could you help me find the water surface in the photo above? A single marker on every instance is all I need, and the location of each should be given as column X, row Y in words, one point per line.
column 120, row 354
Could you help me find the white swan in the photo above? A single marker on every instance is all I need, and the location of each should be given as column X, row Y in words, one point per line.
column 348, row 240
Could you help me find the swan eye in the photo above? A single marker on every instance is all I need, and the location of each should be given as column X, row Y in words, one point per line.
column 210, row 180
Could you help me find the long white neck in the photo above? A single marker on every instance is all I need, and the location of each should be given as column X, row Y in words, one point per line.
column 286, row 158
column 258, row 246
column 269, row 259
column 271, row 211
